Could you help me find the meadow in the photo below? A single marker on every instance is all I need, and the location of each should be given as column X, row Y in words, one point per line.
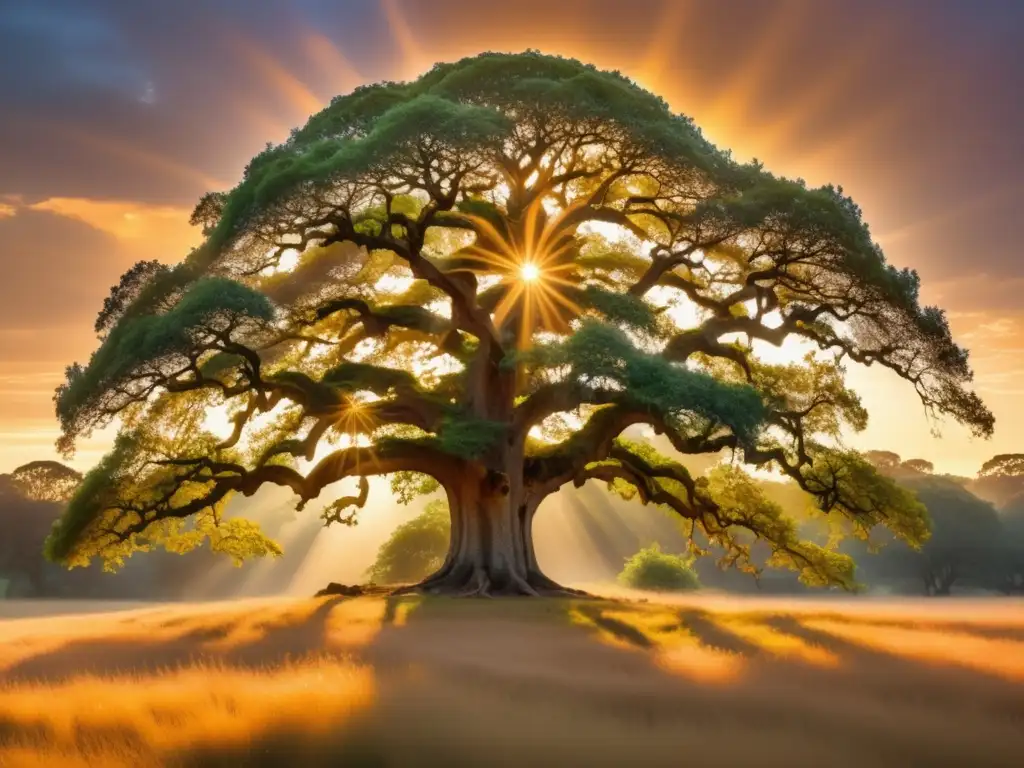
column 623, row 680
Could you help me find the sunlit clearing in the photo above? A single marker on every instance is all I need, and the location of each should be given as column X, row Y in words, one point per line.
column 700, row 664
column 156, row 709
column 1000, row 657
column 777, row 643
column 210, row 706
column 354, row 623
column 657, row 628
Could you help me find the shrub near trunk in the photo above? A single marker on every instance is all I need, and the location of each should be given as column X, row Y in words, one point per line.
column 650, row 568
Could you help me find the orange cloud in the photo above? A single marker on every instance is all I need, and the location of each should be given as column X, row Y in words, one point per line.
column 62, row 278
column 130, row 222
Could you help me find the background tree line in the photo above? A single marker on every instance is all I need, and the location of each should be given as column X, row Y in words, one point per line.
column 977, row 541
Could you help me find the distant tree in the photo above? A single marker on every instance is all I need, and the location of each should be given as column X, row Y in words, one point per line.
column 45, row 481
column 415, row 549
column 25, row 521
column 652, row 569
column 919, row 465
column 470, row 277
column 966, row 537
column 883, row 459
column 1003, row 465
column 1008, row 571
column 1000, row 479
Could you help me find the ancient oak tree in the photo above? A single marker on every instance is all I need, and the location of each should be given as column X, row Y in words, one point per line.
column 476, row 283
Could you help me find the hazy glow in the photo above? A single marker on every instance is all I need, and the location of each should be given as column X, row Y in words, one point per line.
column 530, row 272
column 393, row 283
column 738, row 104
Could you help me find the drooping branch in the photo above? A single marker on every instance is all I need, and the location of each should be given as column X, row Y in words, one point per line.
column 333, row 513
column 223, row 478
column 552, row 467
column 669, row 485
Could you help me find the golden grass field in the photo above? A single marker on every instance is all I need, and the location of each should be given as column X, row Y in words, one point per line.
column 378, row 681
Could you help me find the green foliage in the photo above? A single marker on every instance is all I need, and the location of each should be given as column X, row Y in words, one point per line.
column 652, row 569
column 621, row 308
column 415, row 549
column 612, row 263
column 853, row 486
column 600, row 355
column 731, row 510
column 883, row 460
column 353, row 377
column 407, row 486
column 958, row 517
column 468, row 437
column 1007, row 572
column 743, row 504
column 98, row 519
column 150, row 340
column 328, row 159
column 815, row 388
column 126, row 292
column 94, row 493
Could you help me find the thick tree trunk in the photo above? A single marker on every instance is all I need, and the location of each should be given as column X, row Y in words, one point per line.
column 491, row 550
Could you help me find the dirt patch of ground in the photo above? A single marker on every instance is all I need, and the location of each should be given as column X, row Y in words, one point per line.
column 411, row 681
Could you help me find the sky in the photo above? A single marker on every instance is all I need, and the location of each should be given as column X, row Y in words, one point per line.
column 115, row 116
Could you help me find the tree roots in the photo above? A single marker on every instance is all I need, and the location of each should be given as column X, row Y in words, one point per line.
column 478, row 583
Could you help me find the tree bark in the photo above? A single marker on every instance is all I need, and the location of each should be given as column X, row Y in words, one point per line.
column 491, row 548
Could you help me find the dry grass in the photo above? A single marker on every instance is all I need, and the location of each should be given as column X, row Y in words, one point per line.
column 377, row 681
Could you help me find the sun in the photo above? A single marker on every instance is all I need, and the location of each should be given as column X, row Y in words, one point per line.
column 529, row 272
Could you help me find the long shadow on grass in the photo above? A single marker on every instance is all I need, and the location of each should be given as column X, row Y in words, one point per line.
column 509, row 682
column 280, row 640
column 1007, row 631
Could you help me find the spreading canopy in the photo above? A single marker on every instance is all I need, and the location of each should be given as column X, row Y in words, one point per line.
column 495, row 271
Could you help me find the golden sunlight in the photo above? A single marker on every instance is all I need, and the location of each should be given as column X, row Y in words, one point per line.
column 128, row 220
column 530, row 272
